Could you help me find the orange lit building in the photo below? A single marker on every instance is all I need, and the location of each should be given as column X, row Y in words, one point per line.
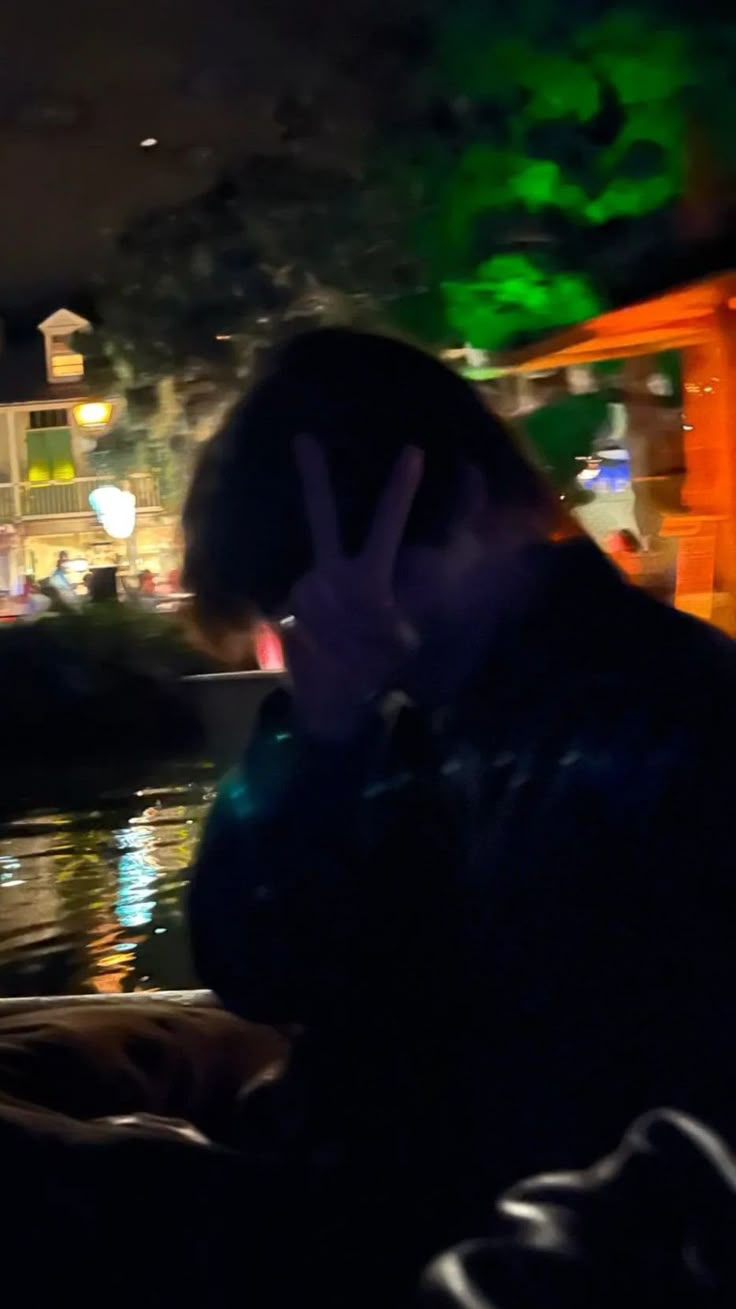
column 699, row 321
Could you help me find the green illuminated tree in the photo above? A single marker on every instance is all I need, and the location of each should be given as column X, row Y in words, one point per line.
column 558, row 157
column 527, row 169
column 513, row 294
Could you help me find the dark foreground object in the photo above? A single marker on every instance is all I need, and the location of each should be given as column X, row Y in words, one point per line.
column 653, row 1225
column 141, row 1214
column 193, row 1213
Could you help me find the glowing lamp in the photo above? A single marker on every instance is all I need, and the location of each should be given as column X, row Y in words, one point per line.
column 93, row 415
column 115, row 511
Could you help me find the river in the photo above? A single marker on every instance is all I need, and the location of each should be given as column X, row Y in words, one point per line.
column 94, row 901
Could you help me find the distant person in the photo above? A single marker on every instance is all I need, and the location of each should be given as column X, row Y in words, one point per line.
column 145, row 593
column 61, row 581
column 34, row 601
column 625, row 549
column 651, row 569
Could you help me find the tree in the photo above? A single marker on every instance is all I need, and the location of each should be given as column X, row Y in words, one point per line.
column 533, row 165
column 557, row 143
column 192, row 293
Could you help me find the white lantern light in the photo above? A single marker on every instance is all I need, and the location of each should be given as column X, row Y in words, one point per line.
column 115, row 510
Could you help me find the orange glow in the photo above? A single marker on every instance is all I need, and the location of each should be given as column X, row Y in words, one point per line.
column 670, row 321
column 697, row 320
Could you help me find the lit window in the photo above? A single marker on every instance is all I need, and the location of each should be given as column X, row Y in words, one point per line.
column 66, row 365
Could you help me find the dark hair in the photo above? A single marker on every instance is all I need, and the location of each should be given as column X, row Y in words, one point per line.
column 363, row 397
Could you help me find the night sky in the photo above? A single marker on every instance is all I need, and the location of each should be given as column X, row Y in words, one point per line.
column 84, row 81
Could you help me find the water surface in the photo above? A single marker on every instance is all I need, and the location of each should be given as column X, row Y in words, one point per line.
column 95, row 901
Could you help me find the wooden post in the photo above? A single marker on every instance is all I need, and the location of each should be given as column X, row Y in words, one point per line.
column 706, row 573
column 14, row 462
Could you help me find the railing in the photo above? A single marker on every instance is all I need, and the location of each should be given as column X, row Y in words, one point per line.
column 51, row 499
column 7, row 507
column 145, row 488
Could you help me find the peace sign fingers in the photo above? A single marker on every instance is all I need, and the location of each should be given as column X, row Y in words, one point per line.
column 347, row 642
column 377, row 559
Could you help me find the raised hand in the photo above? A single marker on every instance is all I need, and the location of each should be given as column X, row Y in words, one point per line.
column 346, row 638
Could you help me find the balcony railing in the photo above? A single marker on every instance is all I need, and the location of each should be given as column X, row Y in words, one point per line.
column 7, row 508
column 54, row 499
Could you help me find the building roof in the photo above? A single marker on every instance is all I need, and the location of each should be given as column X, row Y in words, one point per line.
column 23, row 378
column 64, row 320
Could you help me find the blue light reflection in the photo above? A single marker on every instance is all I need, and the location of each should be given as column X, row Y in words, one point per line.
column 137, row 873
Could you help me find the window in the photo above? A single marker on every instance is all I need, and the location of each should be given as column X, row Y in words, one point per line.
column 50, row 455
column 63, row 362
column 39, row 418
column 66, row 365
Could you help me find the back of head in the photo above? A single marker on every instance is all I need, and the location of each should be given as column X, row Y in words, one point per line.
column 364, row 398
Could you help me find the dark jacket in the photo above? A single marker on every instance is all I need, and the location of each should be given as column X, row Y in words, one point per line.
column 651, row 1224
column 505, row 930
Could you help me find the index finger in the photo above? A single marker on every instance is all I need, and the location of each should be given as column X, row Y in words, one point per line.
column 319, row 500
column 386, row 532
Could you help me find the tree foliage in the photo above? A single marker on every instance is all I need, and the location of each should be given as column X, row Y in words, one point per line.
column 559, row 153
column 531, row 171
column 193, row 290
column 513, row 294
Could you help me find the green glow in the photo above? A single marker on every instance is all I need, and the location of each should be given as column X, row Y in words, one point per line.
column 514, row 293
column 487, row 374
column 507, row 233
column 642, row 60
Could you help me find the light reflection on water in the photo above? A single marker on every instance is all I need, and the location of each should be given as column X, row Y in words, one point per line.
column 95, row 901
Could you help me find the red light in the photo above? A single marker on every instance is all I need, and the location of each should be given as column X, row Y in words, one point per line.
column 269, row 650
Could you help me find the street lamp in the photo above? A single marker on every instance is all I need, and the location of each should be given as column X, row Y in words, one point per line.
column 93, row 416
